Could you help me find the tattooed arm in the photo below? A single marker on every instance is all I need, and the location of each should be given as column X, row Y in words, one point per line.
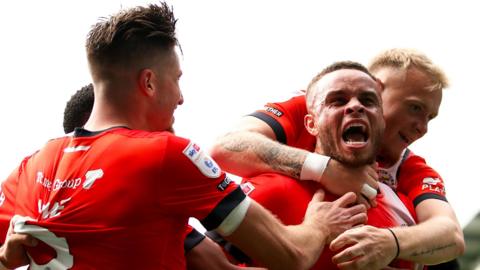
column 436, row 218
column 437, row 238
column 253, row 149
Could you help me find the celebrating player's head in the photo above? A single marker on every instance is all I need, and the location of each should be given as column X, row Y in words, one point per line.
column 78, row 108
column 411, row 97
column 345, row 113
column 135, row 68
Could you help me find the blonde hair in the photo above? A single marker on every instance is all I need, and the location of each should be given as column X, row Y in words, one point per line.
column 407, row 58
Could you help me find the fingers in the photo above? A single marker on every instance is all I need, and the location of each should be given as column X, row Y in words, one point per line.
column 363, row 200
column 24, row 239
column 346, row 255
column 372, row 177
column 341, row 241
column 347, row 199
column 357, row 209
column 368, row 191
column 319, row 196
column 359, row 218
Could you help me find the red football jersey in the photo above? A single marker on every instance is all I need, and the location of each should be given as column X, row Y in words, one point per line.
column 117, row 199
column 288, row 199
column 287, row 121
column 413, row 177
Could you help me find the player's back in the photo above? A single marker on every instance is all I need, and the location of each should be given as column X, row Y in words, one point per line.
column 104, row 201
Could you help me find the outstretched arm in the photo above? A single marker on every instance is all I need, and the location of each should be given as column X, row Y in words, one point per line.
column 252, row 149
column 437, row 238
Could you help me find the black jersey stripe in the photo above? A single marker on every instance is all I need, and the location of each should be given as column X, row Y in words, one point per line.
column 192, row 239
column 426, row 196
column 223, row 209
column 274, row 124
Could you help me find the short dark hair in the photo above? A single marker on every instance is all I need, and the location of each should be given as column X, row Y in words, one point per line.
column 337, row 66
column 78, row 109
column 131, row 37
column 334, row 67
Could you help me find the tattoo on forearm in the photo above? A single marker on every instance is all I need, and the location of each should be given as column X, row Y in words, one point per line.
column 433, row 250
column 235, row 146
column 278, row 157
column 287, row 162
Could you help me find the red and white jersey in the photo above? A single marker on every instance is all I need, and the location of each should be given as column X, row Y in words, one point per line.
column 287, row 122
column 410, row 176
column 413, row 177
column 117, row 199
column 288, row 199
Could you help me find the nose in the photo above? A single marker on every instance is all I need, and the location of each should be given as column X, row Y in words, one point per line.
column 354, row 107
column 421, row 127
column 180, row 100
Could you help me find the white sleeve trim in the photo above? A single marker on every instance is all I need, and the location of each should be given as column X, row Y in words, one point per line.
column 233, row 220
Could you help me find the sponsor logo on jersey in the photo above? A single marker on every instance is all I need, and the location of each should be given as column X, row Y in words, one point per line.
column 274, row 111
column 204, row 162
column 225, row 183
column 431, row 181
column 192, row 151
column 247, row 188
column 433, row 184
column 91, row 177
column 73, row 183
column 385, row 177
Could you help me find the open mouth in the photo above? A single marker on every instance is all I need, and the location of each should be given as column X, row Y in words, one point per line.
column 355, row 134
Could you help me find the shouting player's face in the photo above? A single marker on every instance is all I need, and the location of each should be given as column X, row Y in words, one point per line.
column 348, row 121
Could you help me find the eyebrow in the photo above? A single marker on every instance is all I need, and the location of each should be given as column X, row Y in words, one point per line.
column 365, row 92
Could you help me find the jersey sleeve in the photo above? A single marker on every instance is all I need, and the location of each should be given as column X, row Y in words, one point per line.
column 419, row 181
column 285, row 118
column 196, row 186
column 8, row 192
column 192, row 238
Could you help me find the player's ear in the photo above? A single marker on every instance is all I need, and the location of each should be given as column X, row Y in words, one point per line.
column 309, row 122
column 145, row 82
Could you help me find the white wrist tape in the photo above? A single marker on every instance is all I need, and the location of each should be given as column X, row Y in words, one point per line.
column 368, row 191
column 313, row 167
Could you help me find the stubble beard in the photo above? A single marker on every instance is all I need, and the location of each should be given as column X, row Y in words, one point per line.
column 332, row 149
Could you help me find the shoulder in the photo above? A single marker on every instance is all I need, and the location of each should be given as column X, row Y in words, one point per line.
column 415, row 164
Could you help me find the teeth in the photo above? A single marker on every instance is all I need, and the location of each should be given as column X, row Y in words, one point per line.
column 354, row 143
column 355, row 134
